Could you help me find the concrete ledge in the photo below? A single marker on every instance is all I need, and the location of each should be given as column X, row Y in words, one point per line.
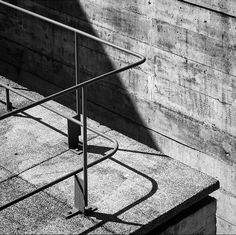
column 136, row 190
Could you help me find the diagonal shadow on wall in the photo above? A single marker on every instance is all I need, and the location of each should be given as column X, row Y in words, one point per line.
column 41, row 57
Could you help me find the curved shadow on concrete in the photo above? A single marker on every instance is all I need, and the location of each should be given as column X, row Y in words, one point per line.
column 114, row 217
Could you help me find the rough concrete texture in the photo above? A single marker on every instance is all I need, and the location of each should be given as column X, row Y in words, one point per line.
column 182, row 100
column 135, row 190
column 193, row 222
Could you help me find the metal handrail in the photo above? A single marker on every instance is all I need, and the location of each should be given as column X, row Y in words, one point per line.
column 85, row 83
column 76, row 88
column 59, row 113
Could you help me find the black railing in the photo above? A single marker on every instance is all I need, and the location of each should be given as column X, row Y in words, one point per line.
column 83, row 207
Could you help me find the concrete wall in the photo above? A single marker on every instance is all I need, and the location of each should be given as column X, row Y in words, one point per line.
column 182, row 100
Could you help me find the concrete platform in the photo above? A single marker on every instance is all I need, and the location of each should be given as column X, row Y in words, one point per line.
column 136, row 190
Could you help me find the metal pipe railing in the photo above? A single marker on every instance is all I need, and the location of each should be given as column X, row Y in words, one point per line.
column 84, row 116
column 85, row 165
column 58, row 113
column 58, row 180
column 85, row 83
column 76, row 88
column 77, row 78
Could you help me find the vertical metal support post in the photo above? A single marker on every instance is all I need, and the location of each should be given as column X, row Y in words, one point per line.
column 73, row 134
column 74, row 131
column 77, row 77
column 79, row 194
column 79, row 206
column 8, row 103
column 85, row 163
column 81, row 185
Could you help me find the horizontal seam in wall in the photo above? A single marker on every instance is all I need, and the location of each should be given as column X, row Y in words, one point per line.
column 207, row 8
column 35, row 51
column 30, row 72
column 186, row 58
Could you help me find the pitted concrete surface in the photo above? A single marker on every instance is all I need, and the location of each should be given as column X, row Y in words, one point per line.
column 135, row 190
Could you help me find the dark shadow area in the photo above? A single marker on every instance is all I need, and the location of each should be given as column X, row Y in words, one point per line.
column 111, row 218
column 98, row 149
column 40, row 57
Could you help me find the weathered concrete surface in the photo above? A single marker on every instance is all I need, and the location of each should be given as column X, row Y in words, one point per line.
column 224, row 7
column 136, row 190
column 35, row 214
column 182, row 100
column 192, row 222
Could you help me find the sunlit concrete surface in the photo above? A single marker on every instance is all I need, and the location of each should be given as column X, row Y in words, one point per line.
column 136, row 190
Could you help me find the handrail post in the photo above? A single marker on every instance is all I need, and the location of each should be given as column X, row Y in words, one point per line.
column 8, row 103
column 85, row 163
column 87, row 209
column 77, row 77
column 74, row 131
column 81, row 185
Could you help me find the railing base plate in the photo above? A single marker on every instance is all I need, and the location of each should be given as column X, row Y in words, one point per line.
column 73, row 212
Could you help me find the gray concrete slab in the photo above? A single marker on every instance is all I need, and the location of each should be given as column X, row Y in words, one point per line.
column 38, row 214
column 135, row 190
column 26, row 142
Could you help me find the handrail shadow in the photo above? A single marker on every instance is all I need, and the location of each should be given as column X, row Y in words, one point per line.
column 27, row 115
column 114, row 217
